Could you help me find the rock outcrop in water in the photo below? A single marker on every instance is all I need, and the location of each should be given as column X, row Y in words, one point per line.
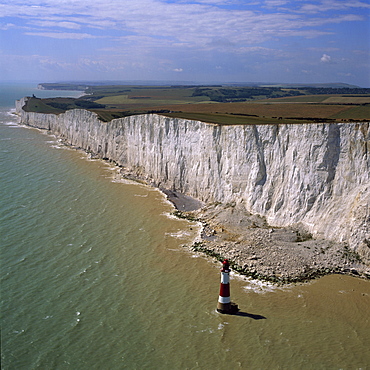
column 313, row 175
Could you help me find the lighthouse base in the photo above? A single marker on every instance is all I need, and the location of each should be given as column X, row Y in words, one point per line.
column 228, row 308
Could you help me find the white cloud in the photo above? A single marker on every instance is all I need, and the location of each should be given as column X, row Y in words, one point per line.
column 148, row 37
column 325, row 58
column 62, row 35
column 6, row 26
column 50, row 24
column 327, row 5
column 259, row 50
column 346, row 74
column 204, row 24
column 323, row 49
column 275, row 3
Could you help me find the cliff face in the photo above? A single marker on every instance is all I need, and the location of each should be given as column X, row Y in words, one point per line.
column 314, row 174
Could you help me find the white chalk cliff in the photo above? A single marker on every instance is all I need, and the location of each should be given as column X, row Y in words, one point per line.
column 314, row 174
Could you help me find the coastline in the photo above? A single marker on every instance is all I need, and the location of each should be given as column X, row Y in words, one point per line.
column 278, row 255
column 129, row 288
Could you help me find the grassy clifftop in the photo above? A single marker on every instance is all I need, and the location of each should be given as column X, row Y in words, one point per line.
column 231, row 105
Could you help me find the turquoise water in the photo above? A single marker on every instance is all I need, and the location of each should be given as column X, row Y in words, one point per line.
column 94, row 276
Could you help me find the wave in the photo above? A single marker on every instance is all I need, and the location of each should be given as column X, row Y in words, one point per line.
column 260, row 287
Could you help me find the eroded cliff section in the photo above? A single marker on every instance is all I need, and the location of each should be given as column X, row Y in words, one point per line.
column 312, row 176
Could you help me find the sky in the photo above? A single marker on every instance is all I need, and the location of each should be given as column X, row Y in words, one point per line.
column 194, row 41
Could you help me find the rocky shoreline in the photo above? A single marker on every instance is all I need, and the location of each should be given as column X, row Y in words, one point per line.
column 277, row 255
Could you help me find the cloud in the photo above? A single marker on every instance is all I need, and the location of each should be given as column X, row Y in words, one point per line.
column 322, row 49
column 51, row 24
column 325, row 58
column 150, row 37
column 346, row 74
column 274, row 3
column 203, row 24
column 259, row 50
column 62, row 35
column 6, row 26
column 327, row 5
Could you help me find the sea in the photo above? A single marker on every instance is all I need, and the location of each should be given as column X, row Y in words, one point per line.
column 95, row 275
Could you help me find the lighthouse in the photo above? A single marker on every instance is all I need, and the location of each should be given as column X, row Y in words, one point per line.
column 224, row 304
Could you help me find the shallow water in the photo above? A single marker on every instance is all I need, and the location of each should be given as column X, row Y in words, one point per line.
column 95, row 276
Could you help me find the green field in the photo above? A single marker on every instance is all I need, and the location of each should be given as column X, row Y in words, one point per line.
column 218, row 104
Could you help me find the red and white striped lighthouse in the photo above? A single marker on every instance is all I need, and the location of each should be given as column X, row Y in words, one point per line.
column 224, row 304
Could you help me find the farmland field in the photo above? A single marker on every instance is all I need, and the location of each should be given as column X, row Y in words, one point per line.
column 348, row 99
column 218, row 104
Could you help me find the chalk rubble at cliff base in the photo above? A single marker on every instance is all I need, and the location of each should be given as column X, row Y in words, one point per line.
column 279, row 255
